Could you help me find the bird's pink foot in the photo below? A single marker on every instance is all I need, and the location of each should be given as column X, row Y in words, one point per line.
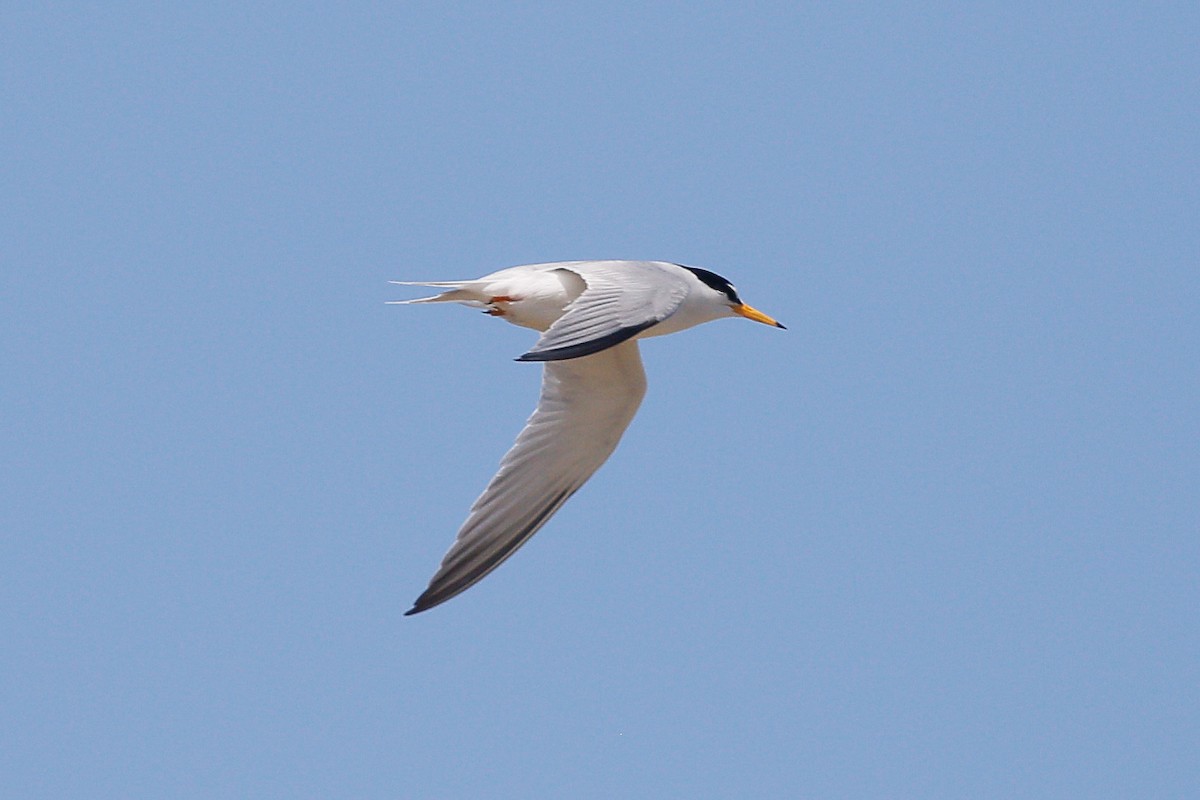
column 494, row 307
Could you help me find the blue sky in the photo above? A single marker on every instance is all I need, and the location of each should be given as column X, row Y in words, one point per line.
column 937, row 540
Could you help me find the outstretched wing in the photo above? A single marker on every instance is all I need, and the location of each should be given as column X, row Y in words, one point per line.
column 621, row 300
column 585, row 407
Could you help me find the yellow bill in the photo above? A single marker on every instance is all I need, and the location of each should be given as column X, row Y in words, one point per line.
column 756, row 315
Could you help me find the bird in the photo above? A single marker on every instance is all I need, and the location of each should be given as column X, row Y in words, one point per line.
column 591, row 315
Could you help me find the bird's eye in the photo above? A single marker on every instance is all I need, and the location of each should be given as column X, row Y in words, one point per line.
column 716, row 282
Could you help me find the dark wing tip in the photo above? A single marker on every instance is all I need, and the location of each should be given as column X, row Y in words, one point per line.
column 432, row 596
column 441, row 591
column 446, row 588
column 422, row 603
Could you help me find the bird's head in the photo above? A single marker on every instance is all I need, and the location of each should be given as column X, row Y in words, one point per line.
column 724, row 294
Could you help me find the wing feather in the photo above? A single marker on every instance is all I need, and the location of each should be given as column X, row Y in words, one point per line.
column 585, row 406
column 621, row 300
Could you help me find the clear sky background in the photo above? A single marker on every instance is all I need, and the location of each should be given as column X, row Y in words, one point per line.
column 937, row 540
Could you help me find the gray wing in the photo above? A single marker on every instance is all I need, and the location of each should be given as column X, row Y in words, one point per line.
column 585, row 407
column 622, row 299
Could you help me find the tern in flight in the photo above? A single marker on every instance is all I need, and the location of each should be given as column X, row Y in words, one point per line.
column 590, row 314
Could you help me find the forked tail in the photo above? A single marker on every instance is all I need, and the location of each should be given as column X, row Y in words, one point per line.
column 460, row 292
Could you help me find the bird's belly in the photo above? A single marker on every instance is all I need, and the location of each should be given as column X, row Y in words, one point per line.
column 538, row 299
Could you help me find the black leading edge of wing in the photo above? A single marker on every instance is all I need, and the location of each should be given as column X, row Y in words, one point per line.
column 587, row 348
